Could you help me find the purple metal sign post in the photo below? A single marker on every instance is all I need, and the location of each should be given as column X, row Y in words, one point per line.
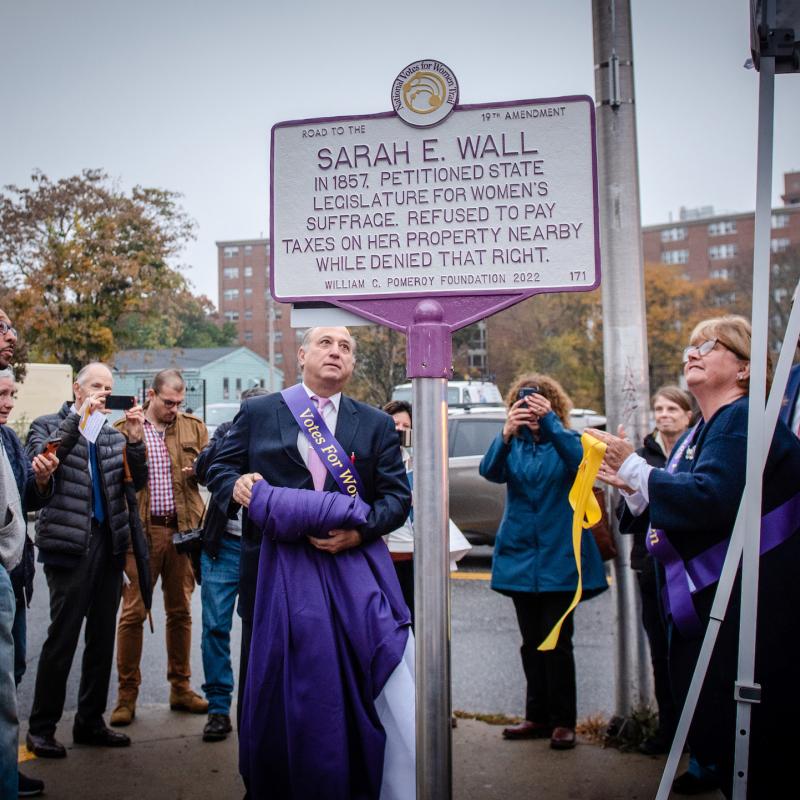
column 427, row 230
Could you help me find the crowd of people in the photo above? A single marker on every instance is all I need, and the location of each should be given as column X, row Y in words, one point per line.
column 307, row 488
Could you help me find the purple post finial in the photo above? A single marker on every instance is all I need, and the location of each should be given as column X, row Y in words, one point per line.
column 429, row 343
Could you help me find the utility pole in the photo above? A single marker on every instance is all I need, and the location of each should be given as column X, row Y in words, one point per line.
column 627, row 389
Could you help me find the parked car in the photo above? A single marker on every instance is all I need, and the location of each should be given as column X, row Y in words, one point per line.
column 459, row 393
column 476, row 505
column 217, row 413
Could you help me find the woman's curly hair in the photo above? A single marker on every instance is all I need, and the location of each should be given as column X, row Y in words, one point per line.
column 549, row 387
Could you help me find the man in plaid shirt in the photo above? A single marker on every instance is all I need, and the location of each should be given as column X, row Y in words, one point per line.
column 169, row 503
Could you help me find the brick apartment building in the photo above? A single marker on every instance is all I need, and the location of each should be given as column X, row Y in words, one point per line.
column 244, row 299
column 706, row 245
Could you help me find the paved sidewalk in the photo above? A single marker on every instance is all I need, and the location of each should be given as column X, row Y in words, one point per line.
column 169, row 761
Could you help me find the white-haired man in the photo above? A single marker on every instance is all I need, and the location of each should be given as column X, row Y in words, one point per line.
column 83, row 537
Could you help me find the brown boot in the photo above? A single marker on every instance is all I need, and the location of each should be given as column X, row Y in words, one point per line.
column 187, row 700
column 123, row 713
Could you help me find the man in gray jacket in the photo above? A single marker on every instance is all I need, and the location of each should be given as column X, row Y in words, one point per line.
column 83, row 536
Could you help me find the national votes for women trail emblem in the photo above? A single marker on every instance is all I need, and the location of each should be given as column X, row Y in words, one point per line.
column 424, row 93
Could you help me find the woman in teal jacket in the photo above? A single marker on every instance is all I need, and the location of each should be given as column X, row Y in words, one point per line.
column 537, row 457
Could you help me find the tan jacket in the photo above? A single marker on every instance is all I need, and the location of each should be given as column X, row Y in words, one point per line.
column 184, row 438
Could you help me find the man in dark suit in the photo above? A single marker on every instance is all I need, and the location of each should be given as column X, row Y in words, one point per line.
column 790, row 409
column 266, row 442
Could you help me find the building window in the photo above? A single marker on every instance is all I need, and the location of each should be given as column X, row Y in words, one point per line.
column 674, row 256
column 248, row 272
column 238, row 388
column 248, row 248
column 780, row 220
column 673, row 235
column 229, row 273
column 248, row 336
column 779, row 245
column 226, row 389
column 278, row 336
column 231, row 316
column 719, row 252
column 279, row 358
column 722, row 228
column 230, row 252
column 248, row 315
column 248, row 291
column 278, row 312
column 230, row 294
column 719, row 274
column 266, row 248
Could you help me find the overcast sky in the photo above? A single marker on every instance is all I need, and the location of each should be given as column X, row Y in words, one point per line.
column 181, row 94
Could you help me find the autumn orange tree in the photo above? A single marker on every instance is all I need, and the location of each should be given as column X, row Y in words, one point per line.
column 560, row 334
column 87, row 268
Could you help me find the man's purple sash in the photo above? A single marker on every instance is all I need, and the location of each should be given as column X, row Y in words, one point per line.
column 330, row 452
column 686, row 578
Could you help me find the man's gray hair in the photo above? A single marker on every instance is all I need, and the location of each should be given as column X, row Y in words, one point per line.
column 80, row 378
column 6, row 374
column 306, row 343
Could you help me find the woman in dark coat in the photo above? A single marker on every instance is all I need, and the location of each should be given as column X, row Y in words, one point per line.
column 693, row 506
column 537, row 457
column 672, row 410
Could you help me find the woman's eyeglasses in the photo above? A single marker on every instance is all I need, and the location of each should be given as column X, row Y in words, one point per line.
column 704, row 348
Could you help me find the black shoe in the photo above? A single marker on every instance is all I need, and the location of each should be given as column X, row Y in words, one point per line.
column 45, row 746
column 29, row 787
column 99, row 737
column 687, row 783
column 217, row 728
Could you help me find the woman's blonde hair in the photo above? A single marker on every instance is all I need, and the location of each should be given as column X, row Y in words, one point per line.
column 549, row 387
column 735, row 334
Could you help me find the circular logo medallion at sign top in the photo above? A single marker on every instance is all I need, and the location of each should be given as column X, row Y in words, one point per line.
column 424, row 93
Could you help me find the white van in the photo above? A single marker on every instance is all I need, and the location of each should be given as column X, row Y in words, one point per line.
column 459, row 393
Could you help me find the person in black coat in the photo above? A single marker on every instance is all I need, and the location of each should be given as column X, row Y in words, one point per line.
column 83, row 536
column 219, row 586
column 672, row 409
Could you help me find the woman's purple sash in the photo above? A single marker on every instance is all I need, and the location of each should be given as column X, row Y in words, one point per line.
column 330, row 452
column 686, row 578
column 679, row 591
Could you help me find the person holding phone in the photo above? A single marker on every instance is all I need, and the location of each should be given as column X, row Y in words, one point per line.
column 537, row 456
column 83, row 535
column 169, row 503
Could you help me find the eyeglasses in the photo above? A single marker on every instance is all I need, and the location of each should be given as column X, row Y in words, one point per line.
column 5, row 327
column 702, row 349
column 170, row 403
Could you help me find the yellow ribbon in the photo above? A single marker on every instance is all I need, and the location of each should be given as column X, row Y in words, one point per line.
column 586, row 512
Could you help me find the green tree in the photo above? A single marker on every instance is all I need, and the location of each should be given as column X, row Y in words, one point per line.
column 380, row 364
column 86, row 266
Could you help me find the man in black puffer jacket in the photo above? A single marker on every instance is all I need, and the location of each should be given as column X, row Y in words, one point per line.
column 83, row 536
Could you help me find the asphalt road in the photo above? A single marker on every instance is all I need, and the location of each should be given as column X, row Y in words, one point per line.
column 486, row 671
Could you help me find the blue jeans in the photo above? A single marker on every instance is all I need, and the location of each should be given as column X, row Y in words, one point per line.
column 9, row 722
column 218, row 595
column 20, row 642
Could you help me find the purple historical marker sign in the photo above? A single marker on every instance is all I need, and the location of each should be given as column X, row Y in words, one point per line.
column 474, row 206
